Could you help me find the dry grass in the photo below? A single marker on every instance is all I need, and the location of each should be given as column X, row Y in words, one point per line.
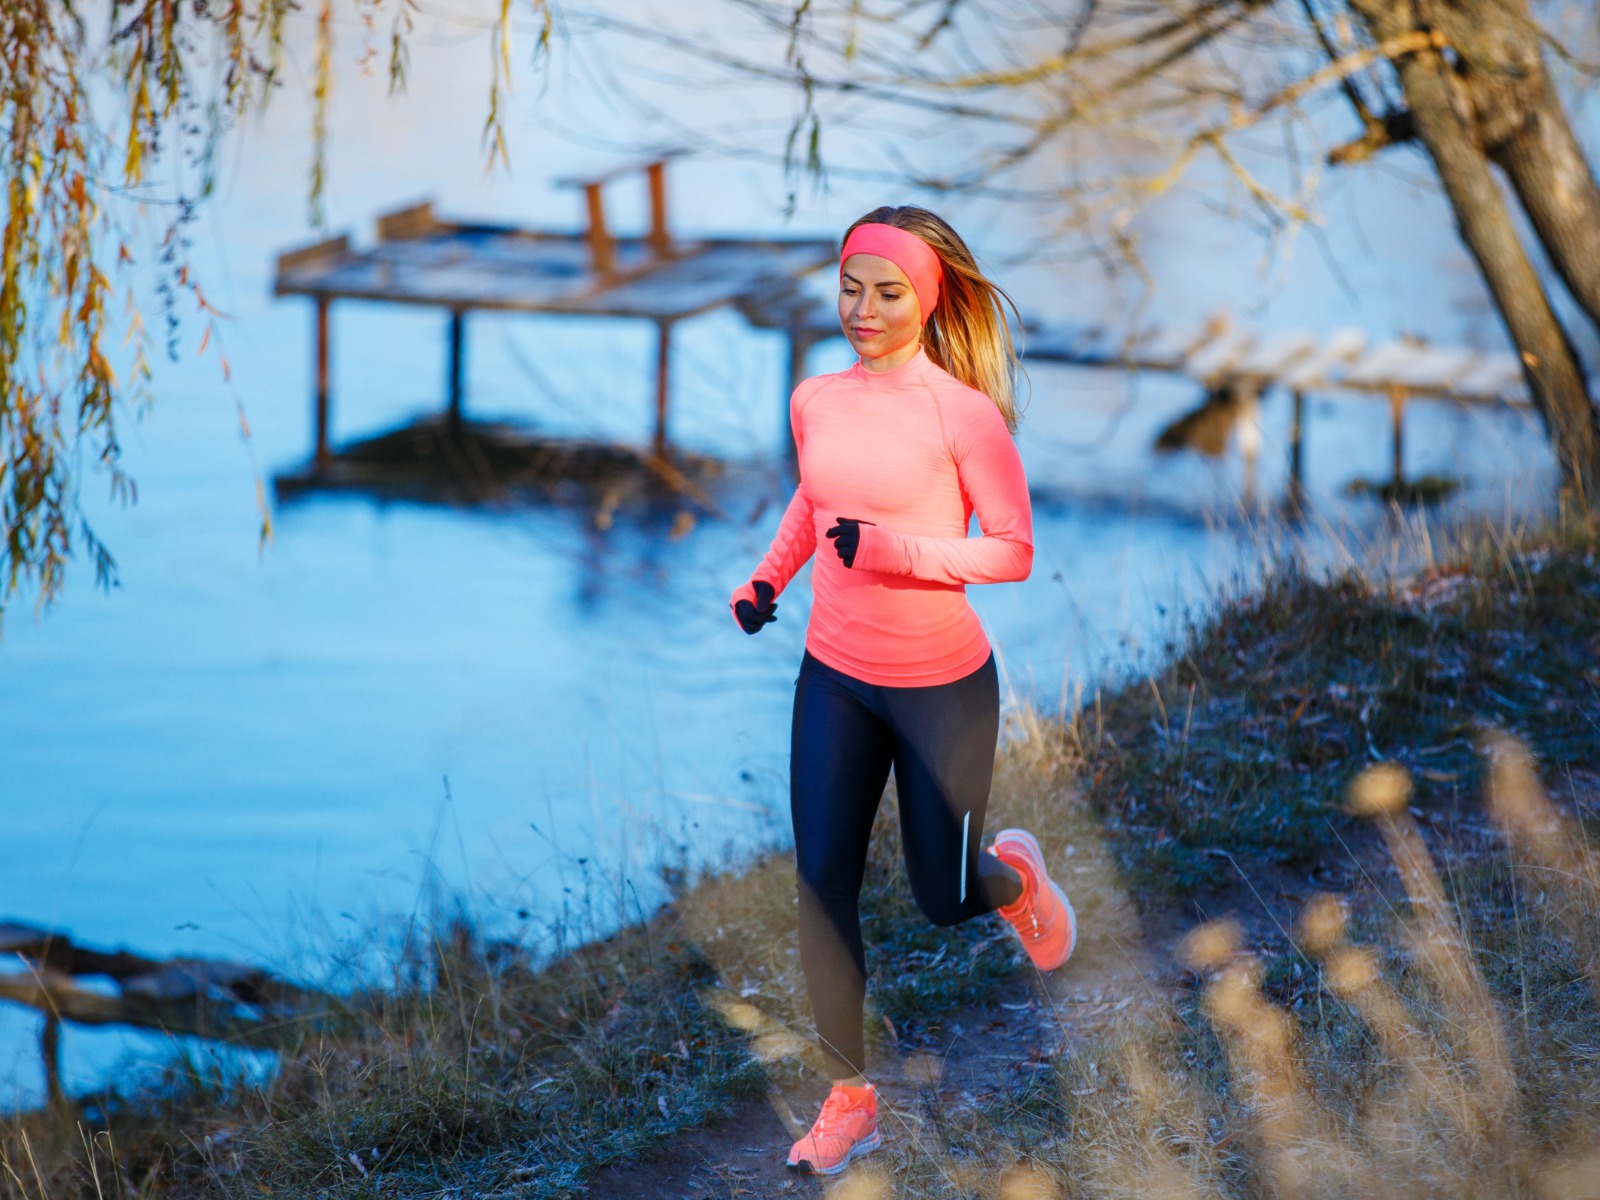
column 1424, row 1069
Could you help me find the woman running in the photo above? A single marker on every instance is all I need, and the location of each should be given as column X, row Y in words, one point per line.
column 896, row 455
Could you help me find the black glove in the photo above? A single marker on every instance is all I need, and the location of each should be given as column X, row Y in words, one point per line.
column 753, row 616
column 846, row 535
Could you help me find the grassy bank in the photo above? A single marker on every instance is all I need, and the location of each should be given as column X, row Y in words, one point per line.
column 1393, row 1033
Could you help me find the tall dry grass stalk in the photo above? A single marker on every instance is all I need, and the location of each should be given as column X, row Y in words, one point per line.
column 1443, row 1115
column 1549, row 848
column 1413, row 1079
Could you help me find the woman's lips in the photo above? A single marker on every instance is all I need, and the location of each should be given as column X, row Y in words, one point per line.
column 860, row 332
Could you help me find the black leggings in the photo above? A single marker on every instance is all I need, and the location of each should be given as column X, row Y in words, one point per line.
column 846, row 734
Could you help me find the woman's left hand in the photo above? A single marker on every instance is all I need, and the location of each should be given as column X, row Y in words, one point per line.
column 846, row 535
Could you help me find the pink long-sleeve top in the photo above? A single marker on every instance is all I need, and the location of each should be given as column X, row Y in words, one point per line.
column 916, row 453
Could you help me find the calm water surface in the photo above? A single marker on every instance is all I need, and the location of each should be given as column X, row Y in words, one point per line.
column 253, row 753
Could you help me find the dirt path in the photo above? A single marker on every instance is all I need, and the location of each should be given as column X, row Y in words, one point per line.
column 1120, row 968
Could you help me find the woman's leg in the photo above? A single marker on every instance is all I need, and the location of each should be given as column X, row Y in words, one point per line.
column 944, row 744
column 838, row 765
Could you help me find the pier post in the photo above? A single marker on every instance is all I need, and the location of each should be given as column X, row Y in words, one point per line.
column 601, row 249
column 1297, row 439
column 320, row 454
column 658, row 444
column 50, row 1050
column 458, row 321
column 1397, row 414
column 660, row 239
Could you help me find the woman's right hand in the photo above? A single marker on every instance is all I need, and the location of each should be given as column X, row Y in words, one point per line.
column 752, row 617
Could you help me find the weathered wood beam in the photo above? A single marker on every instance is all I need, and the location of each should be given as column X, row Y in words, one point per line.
column 215, row 1017
column 1397, row 417
column 1297, row 437
column 457, row 369
column 320, row 454
column 316, row 255
column 58, row 952
column 409, row 223
column 660, row 238
column 658, row 444
column 50, row 1052
column 602, row 249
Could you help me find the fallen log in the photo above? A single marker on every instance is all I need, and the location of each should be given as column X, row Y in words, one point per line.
column 233, row 1003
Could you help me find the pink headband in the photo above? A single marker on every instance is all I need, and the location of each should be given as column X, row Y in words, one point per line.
column 907, row 251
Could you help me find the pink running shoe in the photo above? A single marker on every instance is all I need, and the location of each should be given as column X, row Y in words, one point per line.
column 847, row 1126
column 1042, row 916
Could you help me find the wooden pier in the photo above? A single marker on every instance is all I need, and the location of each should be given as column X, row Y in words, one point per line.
column 420, row 259
column 459, row 267
column 1236, row 367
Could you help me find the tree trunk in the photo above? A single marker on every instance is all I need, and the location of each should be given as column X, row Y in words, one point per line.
column 1552, row 178
column 1484, row 223
column 1524, row 129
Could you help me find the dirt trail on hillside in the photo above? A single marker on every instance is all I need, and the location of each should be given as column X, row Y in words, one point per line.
column 1125, row 969
column 1122, row 968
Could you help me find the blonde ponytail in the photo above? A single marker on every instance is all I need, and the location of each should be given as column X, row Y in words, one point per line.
column 968, row 334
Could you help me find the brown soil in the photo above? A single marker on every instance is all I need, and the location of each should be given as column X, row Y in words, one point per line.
column 1125, row 969
column 1121, row 967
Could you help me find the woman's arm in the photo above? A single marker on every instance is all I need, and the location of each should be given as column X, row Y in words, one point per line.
column 792, row 545
column 796, row 539
column 991, row 475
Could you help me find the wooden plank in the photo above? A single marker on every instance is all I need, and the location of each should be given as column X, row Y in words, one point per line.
column 1314, row 372
column 60, row 996
column 1372, row 370
column 1493, row 377
column 1221, row 355
column 17, row 938
column 409, row 223
column 1278, row 354
column 550, row 276
column 1415, row 368
column 317, row 255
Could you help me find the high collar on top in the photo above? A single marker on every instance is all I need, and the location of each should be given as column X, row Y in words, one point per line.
column 913, row 370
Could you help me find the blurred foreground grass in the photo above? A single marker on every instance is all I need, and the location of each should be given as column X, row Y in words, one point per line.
column 1434, row 1036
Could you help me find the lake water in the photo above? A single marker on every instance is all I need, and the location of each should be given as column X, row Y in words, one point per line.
column 253, row 753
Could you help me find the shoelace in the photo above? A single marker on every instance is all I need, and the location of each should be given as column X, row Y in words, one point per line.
column 834, row 1108
column 1033, row 909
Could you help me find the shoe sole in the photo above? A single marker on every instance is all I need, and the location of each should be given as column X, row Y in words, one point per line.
column 865, row 1144
column 1037, row 854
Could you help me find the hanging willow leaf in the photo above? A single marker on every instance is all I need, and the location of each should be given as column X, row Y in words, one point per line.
column 181, row 73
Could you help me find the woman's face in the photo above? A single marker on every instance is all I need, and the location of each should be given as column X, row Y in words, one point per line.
column 877, row 307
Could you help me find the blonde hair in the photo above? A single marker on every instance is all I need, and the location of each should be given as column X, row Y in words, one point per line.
column 967, row 333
